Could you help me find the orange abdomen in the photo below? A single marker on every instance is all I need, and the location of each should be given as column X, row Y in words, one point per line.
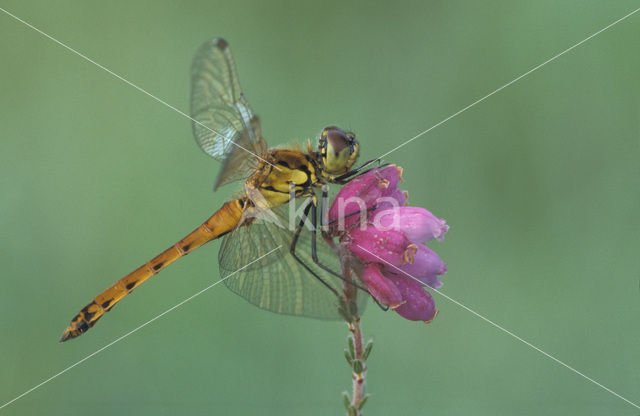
column 220, row 223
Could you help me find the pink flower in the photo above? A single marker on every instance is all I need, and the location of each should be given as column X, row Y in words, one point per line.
column 426, row 267
column 417, row 224
column 398, row 198
column 364, row 193
column 387, row 236
column 418, row 304
column 373, row 245
column 380, row 287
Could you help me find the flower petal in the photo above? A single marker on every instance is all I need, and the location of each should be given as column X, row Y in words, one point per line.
column 377, row 246
column 419, row 305
column 362, row 193
column 380, row 287
column 426, row 267
column 390, row 174
column 418, row 224
column 397, row 198
column 433, row 281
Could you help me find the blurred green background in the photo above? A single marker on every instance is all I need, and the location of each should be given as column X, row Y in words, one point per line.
column 540, row 184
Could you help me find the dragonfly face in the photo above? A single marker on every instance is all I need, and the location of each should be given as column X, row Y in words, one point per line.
column 338, row 150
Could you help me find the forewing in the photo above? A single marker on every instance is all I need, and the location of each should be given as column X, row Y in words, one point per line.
column 278, row 282
column 223, row 123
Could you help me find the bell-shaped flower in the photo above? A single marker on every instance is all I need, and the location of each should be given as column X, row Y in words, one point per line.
column 426, row 267
column 371, row 244
column 380, row 287
column 418, row 304
column 371, row 220
column 362, row 194
column 417, row 224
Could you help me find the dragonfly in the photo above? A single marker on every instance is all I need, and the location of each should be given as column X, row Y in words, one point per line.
column 300, row 278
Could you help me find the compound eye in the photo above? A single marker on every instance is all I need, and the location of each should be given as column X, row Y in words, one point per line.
column 337, row 141
column 352, row 141
column 337, row 147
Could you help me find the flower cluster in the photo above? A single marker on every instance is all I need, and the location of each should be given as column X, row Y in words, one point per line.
column 372, row 221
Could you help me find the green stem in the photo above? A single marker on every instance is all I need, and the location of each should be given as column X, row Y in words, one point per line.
column 359, row 371
column 356, row 353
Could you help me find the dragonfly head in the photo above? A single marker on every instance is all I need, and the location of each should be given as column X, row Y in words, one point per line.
column 338, row 150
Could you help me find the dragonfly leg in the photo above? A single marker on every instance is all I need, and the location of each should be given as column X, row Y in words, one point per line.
column 314, row 252
column 312, row 206
column 351, row 214
column 324, row 211
column 324, row 219
column 292, row 249
column 346, row 177
column 325, row 223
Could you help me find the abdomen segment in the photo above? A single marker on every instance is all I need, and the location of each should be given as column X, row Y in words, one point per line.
column 220, row 223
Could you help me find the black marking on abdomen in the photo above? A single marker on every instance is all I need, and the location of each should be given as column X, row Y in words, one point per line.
column 106, row 304
column 186, row 248
column 84, row 326
column 158, row 266
column 132, row 285
column 85, row 312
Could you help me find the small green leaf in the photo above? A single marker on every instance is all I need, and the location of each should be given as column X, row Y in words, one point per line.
column 348, row 357
column 363, row 401
column 346, row 400
column 351, row 347
column 357, row 366
column 352, row 412
column 367, row 349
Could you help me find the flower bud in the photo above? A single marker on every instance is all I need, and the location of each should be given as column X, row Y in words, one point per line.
column 380, row 287
column 417, row 224
column 419, row 305
column 426, row 267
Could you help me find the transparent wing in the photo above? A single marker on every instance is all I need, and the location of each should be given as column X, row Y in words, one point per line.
column 225, row 127
column 278, row 282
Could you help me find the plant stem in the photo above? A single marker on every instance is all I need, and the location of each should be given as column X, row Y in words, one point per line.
column 358, row 376
column 357, row 352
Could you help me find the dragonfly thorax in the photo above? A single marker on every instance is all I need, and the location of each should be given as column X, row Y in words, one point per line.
column 338, row 150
